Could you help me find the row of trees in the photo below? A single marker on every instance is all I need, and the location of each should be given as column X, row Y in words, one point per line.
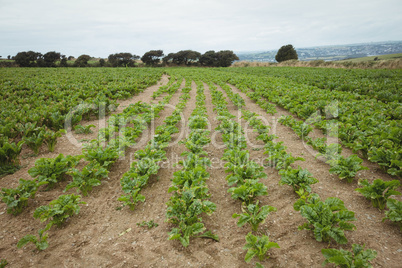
column 151, row 58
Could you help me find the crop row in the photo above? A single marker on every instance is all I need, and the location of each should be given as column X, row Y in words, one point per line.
column 244, row 177
column 190, row 191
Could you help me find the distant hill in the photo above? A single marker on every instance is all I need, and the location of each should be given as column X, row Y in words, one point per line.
column 330, row 53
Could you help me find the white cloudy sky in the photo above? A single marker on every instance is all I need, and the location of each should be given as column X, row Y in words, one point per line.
column 99, row 28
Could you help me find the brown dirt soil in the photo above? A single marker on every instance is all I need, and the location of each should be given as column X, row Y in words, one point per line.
column 103, row 236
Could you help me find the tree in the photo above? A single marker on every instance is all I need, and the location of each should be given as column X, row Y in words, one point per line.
column 286, row 53
column 124, row 59
column 186, row 57
column 152, row 58
column 82, row 61
column 28, row 59
column 9, row 57
column 168, row 59
column 63, row 61
column 226, row 58
column 102, row 62
column 209, row 58
column 50, row 58
column 223, row 58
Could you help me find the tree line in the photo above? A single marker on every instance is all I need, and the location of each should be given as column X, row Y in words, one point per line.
column 152, row 58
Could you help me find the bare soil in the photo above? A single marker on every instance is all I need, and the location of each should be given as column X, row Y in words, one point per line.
column 102, row 235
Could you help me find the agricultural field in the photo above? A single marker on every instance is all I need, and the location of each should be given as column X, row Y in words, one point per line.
column 200, row 167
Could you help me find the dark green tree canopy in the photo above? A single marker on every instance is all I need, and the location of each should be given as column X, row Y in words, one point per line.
column 27, row 58
column 123, row 59
column 63, row 61
column 223, row 58
column 82, row 61
column 50, row 58
column 209, row 58
column 152, row 58
column 286, row 53
column 183, row 57
column 226, row 58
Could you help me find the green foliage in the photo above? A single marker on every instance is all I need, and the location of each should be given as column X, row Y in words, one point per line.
column 40, row 242
column 255, row 215
column 150, row 224
column 123, row 59
column 184, row 208
column 379, row 191
column 9, row 154
column 80, row 129
column 17, row 199
column 90, row 176
column 59, row 210
column 286, row 52
column 258, row 246
column 395, row 211
column 104, row 156
column 327, row 219
column 82, row 61
column 3, row 263
column 329, row 152
column 197, row 140
column 35, row 141
column 50, row 138
column 358, row 258
column 132, row 197
column 346, row 168
column 53, row 170
column 248, row 191
column 152, row 58
column 297, row 178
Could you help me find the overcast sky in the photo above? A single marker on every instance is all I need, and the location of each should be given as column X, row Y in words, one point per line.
column 100, row 27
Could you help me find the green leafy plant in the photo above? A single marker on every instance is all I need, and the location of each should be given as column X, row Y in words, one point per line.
column 150, row 224
column 9, row 153
column 50, row 138
column 285, row 160
column 357, row 258
column 326, row 219
column 132, row 198
column 90, row 176
column 379, row 191
column 297, row 178
column 184, row 208
column 53, row 170
column 329, row 152
column 40, row 242
column 17, row 199
column 196, row 141
column 255, row 215
column 59, row 210
column 395, row 211
column 248, row 191
column 80, row 129
column 104, row 156
column 346, row 168
column 258, row 246
column 3, row 263
column 302, row 129
column 35, row 141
